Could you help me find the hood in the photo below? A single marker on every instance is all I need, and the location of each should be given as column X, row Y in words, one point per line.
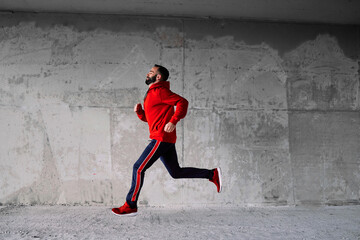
column 165, row 84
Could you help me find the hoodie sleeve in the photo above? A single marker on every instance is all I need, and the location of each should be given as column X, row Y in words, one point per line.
column 141, row 115
column 173, row 99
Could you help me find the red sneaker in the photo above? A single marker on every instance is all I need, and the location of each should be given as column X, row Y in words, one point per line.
column 125, row 210
column 217, row 179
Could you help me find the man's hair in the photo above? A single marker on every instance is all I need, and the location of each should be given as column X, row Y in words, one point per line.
column 162, row 71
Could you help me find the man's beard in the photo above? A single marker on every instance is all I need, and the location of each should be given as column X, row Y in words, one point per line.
column 150, row 80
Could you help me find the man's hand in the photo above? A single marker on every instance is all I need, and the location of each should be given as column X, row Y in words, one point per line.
column 169, row 127
column 138, row 108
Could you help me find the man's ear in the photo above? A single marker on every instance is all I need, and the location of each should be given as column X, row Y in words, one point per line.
column 158, row 77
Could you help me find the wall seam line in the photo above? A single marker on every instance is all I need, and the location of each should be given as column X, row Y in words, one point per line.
column 183, row 89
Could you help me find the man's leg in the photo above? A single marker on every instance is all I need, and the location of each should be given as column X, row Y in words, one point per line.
column 147, row 158
column 170, row 160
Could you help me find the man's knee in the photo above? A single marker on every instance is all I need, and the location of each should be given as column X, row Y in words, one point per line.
column 175, row 174
column 136, row 167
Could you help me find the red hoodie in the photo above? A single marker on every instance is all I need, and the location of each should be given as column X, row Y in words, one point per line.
column 159, row 110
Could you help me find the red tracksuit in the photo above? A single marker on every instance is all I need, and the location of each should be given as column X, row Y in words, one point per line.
column 158, row 111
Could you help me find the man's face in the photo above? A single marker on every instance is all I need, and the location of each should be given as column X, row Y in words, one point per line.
column 151, row 76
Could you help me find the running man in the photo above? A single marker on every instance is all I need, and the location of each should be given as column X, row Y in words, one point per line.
column 160, row 114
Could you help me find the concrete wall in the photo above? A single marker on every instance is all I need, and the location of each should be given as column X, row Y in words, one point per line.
column 275, row 105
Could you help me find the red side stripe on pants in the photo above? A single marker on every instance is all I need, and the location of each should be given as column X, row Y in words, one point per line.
column 138, row 174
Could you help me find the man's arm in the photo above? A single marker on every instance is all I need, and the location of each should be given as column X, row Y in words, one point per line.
column 181, row 104
column 140, row 112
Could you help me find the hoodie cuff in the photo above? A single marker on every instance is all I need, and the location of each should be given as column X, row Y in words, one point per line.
column 174, row 120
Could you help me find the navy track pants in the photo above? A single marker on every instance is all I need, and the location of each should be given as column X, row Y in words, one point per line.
column 167, row 153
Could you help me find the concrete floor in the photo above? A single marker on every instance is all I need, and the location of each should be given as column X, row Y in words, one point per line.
column 97, row 222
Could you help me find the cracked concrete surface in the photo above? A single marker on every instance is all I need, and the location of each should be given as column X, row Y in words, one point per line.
column 97, row 222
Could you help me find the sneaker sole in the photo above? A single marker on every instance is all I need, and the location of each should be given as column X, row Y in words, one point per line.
column 219, row 173
column 125, row 215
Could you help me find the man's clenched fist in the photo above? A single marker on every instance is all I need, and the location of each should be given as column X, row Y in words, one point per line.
column 138, row 108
